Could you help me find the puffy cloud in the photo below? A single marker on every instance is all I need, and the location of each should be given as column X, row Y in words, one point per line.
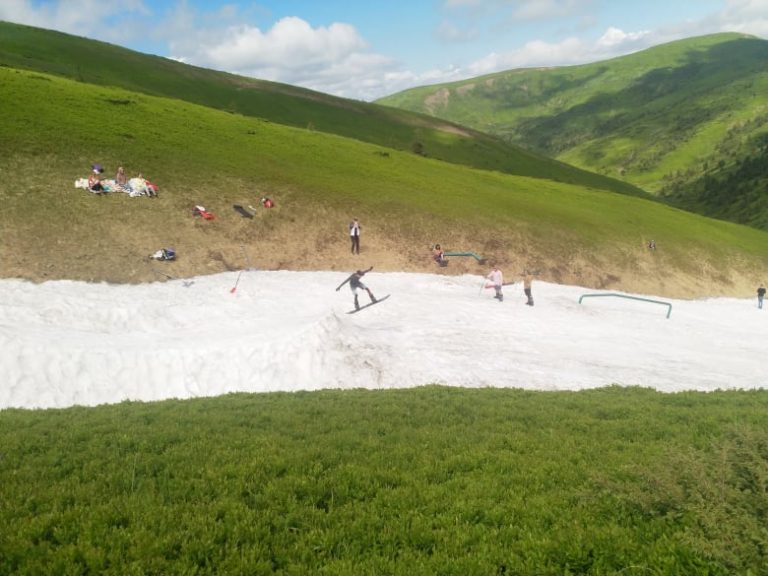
column 80, row 17
column 461, row 3
column 747, row 8
column 450, row 32
column 333, row 59
column 748, row 16
column 291, row 42
column 519, row 10
column 550, row 9
column 614, row 37
column 570, row 51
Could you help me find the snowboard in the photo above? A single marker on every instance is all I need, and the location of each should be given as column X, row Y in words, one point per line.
column 369, row 304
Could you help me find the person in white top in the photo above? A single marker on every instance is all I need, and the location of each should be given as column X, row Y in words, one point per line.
column 354, row 235
column 497, row 281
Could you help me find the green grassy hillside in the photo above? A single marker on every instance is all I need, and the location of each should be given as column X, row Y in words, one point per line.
column 687, row 120
column 52, row 129
column 102, row 64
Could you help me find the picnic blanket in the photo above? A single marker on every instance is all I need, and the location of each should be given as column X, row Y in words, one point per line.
column 134, row 187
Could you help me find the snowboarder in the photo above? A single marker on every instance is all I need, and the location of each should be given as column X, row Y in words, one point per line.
column 527, row 281
column 355, row 283
column 760, row 296
column 497, row 280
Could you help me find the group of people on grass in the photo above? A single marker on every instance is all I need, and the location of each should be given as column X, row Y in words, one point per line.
column 137, row 186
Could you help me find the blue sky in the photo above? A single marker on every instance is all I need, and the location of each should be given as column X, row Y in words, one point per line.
column 368, row 49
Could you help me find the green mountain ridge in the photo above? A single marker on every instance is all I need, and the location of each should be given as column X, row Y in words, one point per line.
column 687, row 121
column 103, row 64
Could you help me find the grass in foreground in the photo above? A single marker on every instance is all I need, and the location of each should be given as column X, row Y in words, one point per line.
column 431, row 480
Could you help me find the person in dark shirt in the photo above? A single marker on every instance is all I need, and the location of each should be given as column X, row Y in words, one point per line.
column 355, row 283
column 354, row 235
column 760, row 295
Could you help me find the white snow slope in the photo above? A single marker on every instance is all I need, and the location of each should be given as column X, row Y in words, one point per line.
column 67, row 343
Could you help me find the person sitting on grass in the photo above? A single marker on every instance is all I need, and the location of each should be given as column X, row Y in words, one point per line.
column 438, row 255
column 120, row 178
column 94, row 182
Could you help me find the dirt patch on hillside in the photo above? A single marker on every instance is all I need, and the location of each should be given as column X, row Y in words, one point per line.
column 436, row 100
column 313, row 238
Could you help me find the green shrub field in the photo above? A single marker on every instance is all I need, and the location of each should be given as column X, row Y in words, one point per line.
column 431, row 480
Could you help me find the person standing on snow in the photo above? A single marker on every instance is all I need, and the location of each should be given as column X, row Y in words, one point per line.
column 527, row 281
column 355, row 283
column 497, row 280
column 354, row 235
column 760, row 295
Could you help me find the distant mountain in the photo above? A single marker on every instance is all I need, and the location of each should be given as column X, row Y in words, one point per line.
column 687, row 121
column 99, row 63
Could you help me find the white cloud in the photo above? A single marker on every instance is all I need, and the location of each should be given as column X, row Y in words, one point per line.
column 550, row 9
column 749, row 8
column 79, row 17
column 567, row 52
column 519, row 10
column 449, row 32
column 460, row 3
column 748, row 16
column 292, row 42
column 333, row 59
column 615, row 37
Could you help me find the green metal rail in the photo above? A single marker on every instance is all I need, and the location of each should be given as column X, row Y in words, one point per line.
column 475, row 256
column 667, row 304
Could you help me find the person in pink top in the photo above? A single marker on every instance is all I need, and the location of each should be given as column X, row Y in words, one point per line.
column 497, row 281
